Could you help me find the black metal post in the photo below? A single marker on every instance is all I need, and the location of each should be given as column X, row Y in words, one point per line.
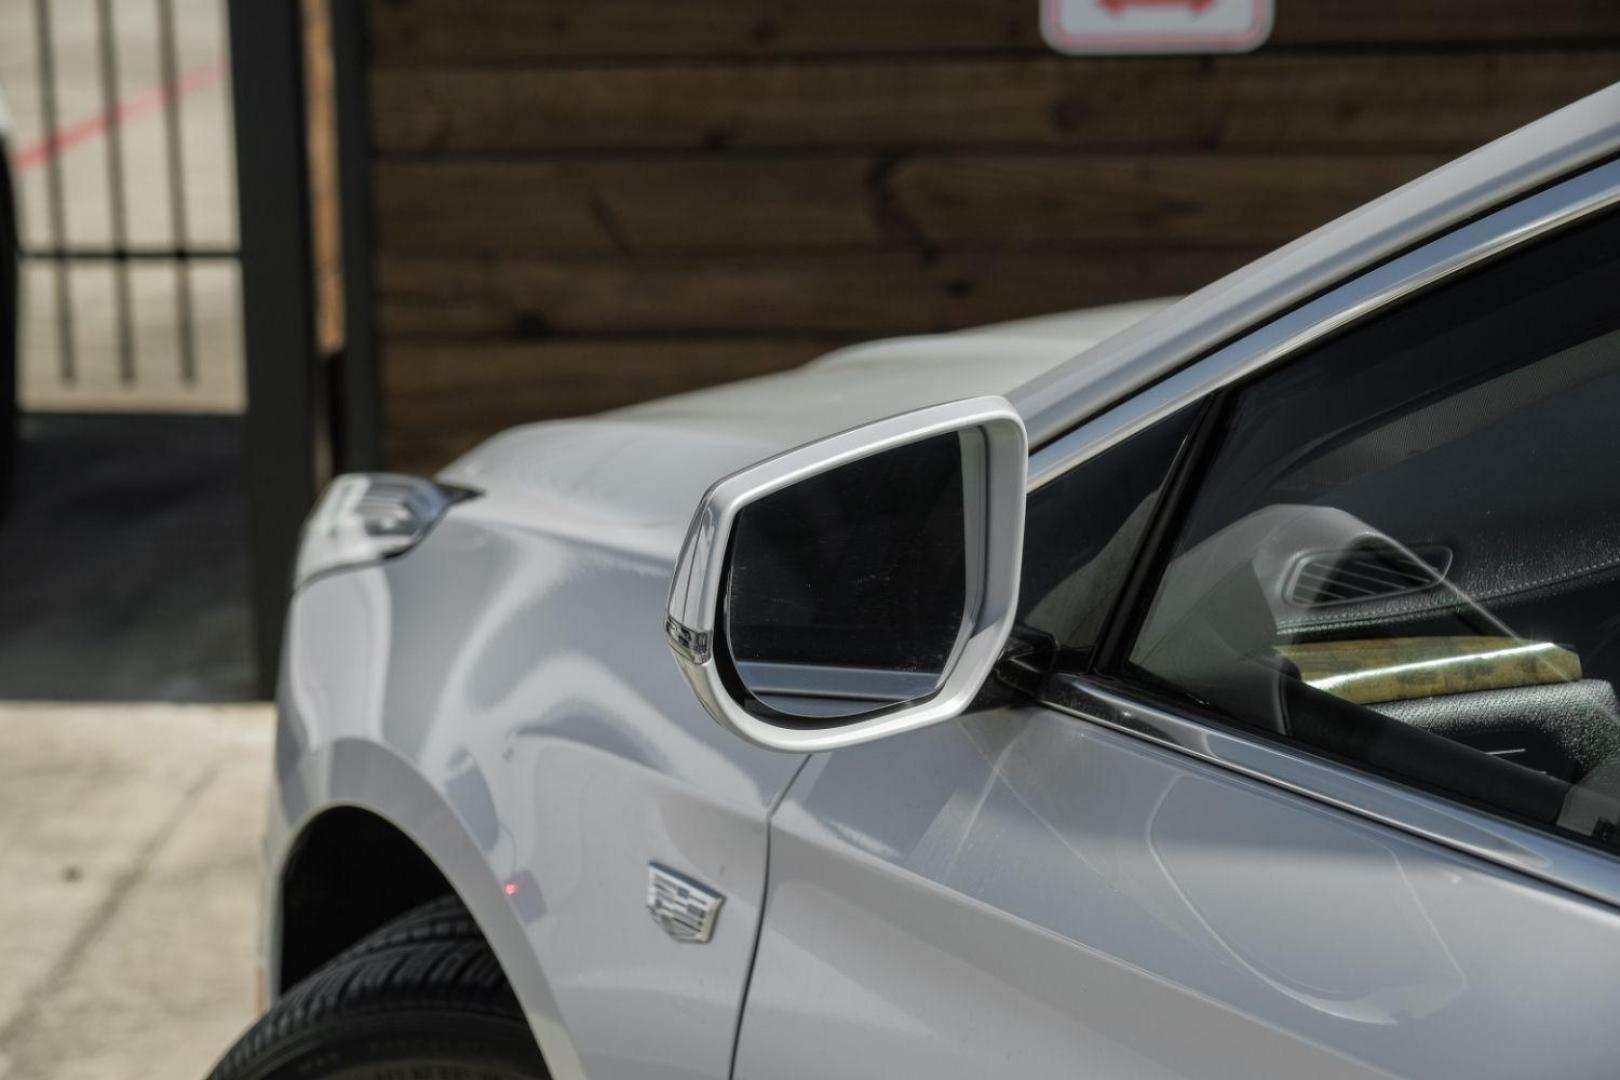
column 56, row 198
column 117, row 190
column 179, row 225
column 358, row 407
column 278, row 306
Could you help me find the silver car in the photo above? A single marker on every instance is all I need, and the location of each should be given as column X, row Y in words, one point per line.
column 1225, row 690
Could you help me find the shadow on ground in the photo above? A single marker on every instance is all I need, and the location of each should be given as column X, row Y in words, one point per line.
column 123, row 568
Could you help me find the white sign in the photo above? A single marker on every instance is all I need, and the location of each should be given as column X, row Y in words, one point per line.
column 1155, row 26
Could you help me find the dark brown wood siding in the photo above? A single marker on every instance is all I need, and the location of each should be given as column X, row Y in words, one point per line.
column 585, row 203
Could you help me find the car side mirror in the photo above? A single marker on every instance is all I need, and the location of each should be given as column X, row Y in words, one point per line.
column 858, row 586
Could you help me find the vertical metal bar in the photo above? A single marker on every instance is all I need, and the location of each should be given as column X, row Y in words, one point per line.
column 56, row 201
column 118, row 195
column 10, row 269
column 278, row 308
column 359, row 404
column 179, row 225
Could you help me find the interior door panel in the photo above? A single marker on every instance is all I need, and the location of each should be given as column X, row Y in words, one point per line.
column 1025, row 894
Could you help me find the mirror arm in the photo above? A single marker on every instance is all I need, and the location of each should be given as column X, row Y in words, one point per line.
column 1026, row 660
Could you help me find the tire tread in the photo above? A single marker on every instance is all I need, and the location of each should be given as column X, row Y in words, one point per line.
column 432, row 958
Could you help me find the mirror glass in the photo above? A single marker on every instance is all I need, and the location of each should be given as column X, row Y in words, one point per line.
column 850, row 591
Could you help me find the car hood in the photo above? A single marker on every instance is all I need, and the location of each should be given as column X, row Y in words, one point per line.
column 871, row 381
column 634, row 476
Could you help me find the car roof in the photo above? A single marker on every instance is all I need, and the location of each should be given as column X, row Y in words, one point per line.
column 1556, row 145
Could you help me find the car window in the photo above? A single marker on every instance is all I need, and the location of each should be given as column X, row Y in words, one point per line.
column 1404, row 550
column 1082, row 534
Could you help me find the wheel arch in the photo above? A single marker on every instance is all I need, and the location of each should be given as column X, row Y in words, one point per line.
column 348, row 872
column 355, row 790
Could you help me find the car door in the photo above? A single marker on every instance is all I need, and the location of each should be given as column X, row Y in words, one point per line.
column 1307, row 759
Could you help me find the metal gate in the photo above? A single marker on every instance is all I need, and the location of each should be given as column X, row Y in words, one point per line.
column 127, row 209
column 169, row 266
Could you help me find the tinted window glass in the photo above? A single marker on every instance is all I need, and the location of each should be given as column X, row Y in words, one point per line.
column 1406, row 550
column 1082, row 533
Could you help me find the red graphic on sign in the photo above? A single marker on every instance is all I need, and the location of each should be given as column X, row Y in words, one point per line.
column 1096, row 27
column 1119, row 7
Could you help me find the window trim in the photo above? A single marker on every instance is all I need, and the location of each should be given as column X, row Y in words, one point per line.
column 1531, row 218
column 1153, row 555
column 1477, row 832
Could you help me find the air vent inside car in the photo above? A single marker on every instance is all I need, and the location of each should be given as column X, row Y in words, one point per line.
column 1366, row 572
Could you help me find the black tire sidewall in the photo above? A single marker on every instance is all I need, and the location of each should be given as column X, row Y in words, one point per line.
column 433, row 1044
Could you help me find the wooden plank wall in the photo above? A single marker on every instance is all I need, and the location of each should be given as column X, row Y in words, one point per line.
column 584, row 203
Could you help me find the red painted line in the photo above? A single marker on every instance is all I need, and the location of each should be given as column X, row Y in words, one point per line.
column 131, row 108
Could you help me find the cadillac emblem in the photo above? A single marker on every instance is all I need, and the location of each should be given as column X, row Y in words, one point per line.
column 685, row 909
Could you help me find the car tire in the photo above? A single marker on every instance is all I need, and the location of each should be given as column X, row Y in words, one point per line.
column 423, row 996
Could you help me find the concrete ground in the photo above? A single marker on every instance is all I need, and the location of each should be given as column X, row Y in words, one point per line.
column 129, row 852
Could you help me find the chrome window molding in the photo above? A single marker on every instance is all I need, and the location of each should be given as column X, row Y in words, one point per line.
column 1521, row 848
column 1429, row 264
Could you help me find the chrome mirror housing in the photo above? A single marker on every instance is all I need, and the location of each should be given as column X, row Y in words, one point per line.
column 858, row 586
